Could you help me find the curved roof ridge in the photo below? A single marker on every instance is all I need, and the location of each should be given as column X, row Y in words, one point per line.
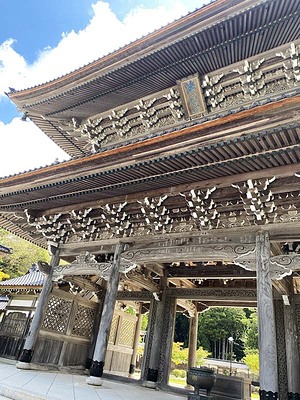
column 30, row 279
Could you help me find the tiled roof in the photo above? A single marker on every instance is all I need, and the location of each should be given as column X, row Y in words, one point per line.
column 31, row 279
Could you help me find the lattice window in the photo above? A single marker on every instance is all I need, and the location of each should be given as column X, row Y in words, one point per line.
column 57, row 314
column 113, row 329
column 83, row 321
column 127, row 333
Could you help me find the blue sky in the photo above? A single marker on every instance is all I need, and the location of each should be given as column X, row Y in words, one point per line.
column 44, row 39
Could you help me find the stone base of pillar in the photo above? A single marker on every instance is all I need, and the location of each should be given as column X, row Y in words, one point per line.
column 94, row 380
column 192, row 396
column 293, row 396
column 268, row 395
column 23, row 365
column 149, row 384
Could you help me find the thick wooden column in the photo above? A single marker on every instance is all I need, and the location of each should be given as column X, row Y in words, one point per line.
column 193, row 332
column 281, row 350
column 153, row 347
column 155, row 334
column 96, row 370
column 136, row 341
column 149, row 344
column 27, row 353
column 292, row 350
column 89, row 360
column 167, row 339
column 268, row 376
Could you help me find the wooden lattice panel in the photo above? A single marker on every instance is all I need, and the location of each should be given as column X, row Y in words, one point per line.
column 127, row 333
column 57, row 314
column 83, row 321
column 113, row 329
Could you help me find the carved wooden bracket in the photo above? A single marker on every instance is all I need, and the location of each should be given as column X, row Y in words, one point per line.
column 280, row 266
column 86, row 264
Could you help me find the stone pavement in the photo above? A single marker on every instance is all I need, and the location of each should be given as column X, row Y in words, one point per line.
column 40, row 385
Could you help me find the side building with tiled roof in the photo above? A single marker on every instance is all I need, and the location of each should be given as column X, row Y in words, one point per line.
column 18, row 299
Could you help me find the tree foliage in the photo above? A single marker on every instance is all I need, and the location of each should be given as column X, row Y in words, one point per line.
column 180, row 355
column 252, row 361
column 24, row 254
column 181, row 329
column 218, row 324
column 3, row 276
column 251, row 341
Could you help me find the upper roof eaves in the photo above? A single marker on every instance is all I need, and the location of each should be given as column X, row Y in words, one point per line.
column 158, row 35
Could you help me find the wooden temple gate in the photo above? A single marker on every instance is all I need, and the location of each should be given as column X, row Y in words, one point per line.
column 184, row 183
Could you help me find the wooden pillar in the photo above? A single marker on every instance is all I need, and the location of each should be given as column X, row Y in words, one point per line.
column 281, row 349
column 89, row 360
column 153, row 347
column 167, row 339
column 292, row 351
column 268, row 376
column 154, row 337
column 96, row 370
column 136, row 341
column 193, row 333
column 149, row 343
column 27, row 353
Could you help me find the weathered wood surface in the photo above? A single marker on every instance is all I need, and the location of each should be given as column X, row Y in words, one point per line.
column 108, row 307
column 292, row 348
column 266, row 318
column 41, row 306
column 193, row 331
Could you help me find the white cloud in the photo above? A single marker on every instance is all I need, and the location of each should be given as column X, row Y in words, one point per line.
column 104, row 33
column 23, row 147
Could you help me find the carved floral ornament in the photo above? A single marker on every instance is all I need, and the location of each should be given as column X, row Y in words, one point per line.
column 198, row 210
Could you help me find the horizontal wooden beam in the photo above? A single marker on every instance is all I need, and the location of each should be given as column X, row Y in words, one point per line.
column 221, row 295
column 209, row 272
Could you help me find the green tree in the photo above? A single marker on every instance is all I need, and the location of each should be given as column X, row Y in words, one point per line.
column 24, row 254
column 180, row 355
column 215, row 327
column 252, row 361
column 181, row 333
column 251, row 341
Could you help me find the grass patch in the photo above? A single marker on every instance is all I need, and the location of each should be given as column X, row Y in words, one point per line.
column 177, row 381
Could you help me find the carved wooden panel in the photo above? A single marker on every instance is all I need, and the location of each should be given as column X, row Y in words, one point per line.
column 281, row 350
column 127, row 331
column 113, row 329
column 57, row 314
column 83, row 321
